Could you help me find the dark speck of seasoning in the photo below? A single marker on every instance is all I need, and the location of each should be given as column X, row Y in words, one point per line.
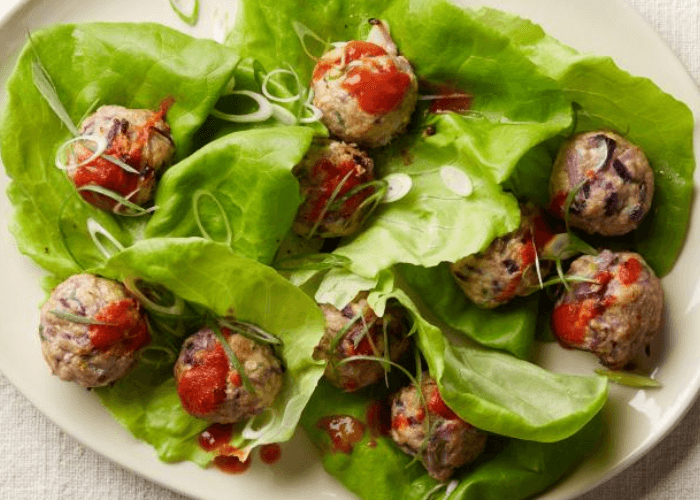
column 637, row 214
column 461, row 276
column 611, row 204
column 611, row 144
column 429, row 131
column 586, row 190
column 511, row 265
column 577, row 207
column 374, row 21
column 647, row 350
column 622, row 171
column 348, row 312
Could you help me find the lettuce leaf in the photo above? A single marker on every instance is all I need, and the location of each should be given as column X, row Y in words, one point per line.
column 210, row 275
column 238, row 187
column 133, row 65
column 376, row 469
column 492, row 390
column 524, row 85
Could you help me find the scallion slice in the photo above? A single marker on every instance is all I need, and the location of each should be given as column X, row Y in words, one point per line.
column 263, row 113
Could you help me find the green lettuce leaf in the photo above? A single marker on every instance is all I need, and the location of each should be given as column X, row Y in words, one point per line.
column 210, row 276
column 524, row 84
column 133, row 65
column 492, row 390
column 510, row 327
column 376, row 469
column 239, row 189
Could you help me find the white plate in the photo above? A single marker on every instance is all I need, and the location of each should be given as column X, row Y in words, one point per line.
column 636, row 419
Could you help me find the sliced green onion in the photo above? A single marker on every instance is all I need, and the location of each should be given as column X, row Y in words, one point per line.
column 316, row 114
column 47, row 89
column 95, row 229
column 263, row 113
column 158, row 352
column 195, row 209
column 302, row 32
column 562, row 276
column 75, row 318
column 429, row 494
column 250, row 331
column 338, row 336
column 629, row 379
column 283, row 115
column 138, row 210
column 233, row 359
column 566, row 245
column 61, row 161
column 570, row 200
column 537, row 263
column 176, row 309
column 328, row 204
column 281, row 71
column 190, row 18
column 567, row 279
column 397, row 186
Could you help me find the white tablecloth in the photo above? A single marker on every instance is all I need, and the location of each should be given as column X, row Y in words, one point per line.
column 39, row 461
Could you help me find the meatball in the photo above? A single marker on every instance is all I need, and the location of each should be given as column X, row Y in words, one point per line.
column 90, row 330
column 450, row 443
column 613, row 179
column 357, row 331
column 209, row 386
column 365, row 90
column 139, row 138
column 617, row 315
column 333, row 181
column 508, row 267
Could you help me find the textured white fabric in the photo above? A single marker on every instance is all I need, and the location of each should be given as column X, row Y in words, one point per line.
column 38, row 461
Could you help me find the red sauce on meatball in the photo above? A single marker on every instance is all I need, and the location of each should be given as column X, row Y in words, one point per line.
column 400, row 422
column 437, row 405
column 328, row 177
column 104, row 173
column 202, row 388
column 630, row 271
column 353, row 51
column 345, row 431
column 125, row 328
column 377, row 88
column 270, row 453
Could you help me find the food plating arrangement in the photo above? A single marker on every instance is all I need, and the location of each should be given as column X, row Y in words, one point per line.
column 354, row 219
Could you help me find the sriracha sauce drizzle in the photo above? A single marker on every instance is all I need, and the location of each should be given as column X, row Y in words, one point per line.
column 125, row 328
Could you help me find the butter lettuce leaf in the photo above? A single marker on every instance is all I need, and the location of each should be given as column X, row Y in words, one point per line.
column 239, row 189
column 211, row 277
column 132, row 65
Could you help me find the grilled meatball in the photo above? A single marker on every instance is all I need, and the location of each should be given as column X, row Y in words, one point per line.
column 90, row 330
column 138, row 137
column 357, row 331
column 365, row 90
column 331, row 177
column 507, row 268
column 614, row 180
column 616, row 316
column 211, row 388
column 451, row 441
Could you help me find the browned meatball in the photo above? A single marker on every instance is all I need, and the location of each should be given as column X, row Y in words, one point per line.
column 209, row 386
column 443, row 440
column 138, row 137
column 332, row 179
column 617, row 315
column 507, row 268
column 91, row 329
column 357, row 331
column 614, row 180
column 365, row 90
